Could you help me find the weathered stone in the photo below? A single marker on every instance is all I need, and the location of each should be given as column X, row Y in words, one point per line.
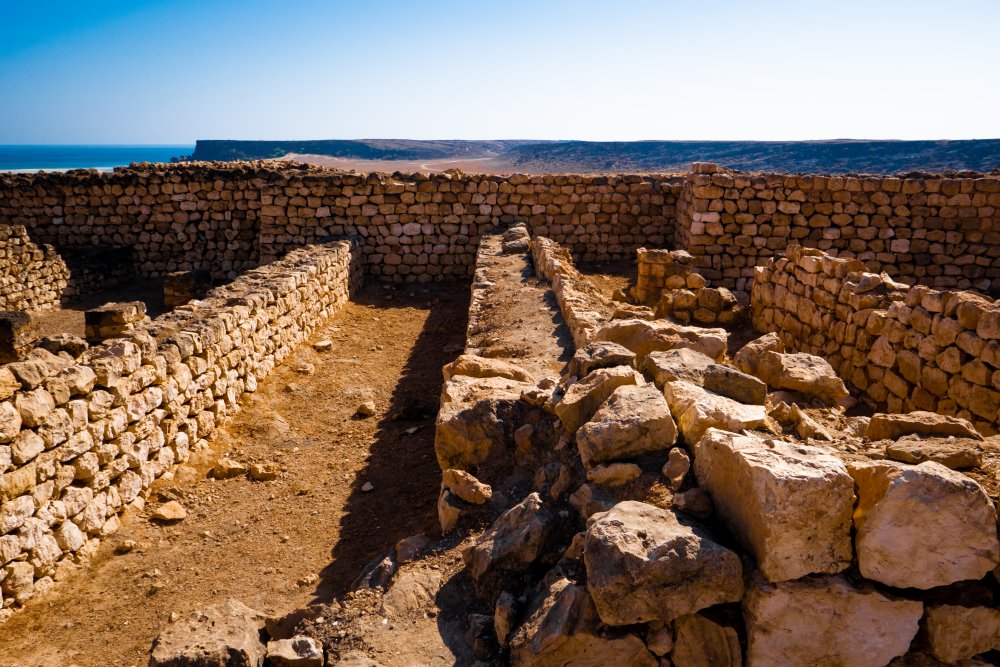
column 514, row 541
column 600, row 354
column 698, row 410
column 695, row 502
column 450, row 509
column 563, row 628
column 221, row 636
column 649, row 564
column 227, row 468
column 475, row 420
column 790, row 505
column 366, row 409
column 632, row 421
column 10, row 421
column 614, row 474
column 590, row 499
column 466, row 486
column 676, row 468
column 34, row 406
column 804, row 373
column 582, row 399
column 922, row 526
column 17, row 581
column 749, row 355
column 701, row 642
column 729, row 382
column 295, row 652
column 680, row 364
column 411, row 591
column 957, row 633
column 951, row 452
column 892, row 426
column 8, row 383
column 472, row 365
column 826, row 621
column 643, row 337
column 170, row 512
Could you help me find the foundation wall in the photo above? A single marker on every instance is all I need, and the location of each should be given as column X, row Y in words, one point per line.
column 32, row 277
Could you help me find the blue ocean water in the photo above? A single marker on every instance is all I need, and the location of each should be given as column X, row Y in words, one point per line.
column 54, row 158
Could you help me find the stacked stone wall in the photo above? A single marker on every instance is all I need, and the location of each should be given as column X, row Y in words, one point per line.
column 82, row 439
column 414, row 227
column 905, row 348
column 941, row 231
column 32, row 277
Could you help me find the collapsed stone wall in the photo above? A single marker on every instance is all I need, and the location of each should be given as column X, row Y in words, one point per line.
column 906, row 348
column 84, row 432
column 941, row 231
column 226, row 217
column 32, row 277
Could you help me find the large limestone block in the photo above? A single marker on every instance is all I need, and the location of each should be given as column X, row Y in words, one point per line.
column 673, row 365
column 473, row 365
column 957, row 633
column 731, row 383
column 514, row 541
column 475, row 419
column 221, row 636
column 804, row 373
column 563, row 628
column 697, row 410
column 922, row 526
column 826, row 621
column 701, row 642
column 790, row 505
column 749, row 355
column 649, row 564
column 644, row 336
column 892, row 426
column 602, row 354
column 581, row 399
column 632, row 421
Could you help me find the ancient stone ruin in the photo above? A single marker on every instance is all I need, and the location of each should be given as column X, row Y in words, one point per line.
column 777, row 445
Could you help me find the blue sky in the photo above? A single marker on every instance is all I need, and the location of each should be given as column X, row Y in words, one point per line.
column 110, row 71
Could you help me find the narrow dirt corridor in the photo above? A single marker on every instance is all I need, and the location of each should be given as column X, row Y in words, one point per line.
column 275, row 545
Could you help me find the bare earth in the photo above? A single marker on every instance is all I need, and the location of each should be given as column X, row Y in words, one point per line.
column 264, row 542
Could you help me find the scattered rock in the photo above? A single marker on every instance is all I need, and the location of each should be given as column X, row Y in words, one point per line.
column 951, row 452
column 674, row 365
column 475, row 420
column 648, row 564
column 409, row 548
column 600, row 354
column 323, row 345
column 221, row 636
column 701, row 642
column 462, row 484
column 614, row 474
column 562, row 627
column 695, row 502
column 515, row 540
column 590, row 499
column 643, row 337
column 504, row 616
column 264, row 472
column 790, row 505
column 365, row 409
column 472, row 365
column 957, row 633
column 731, row 383
column 295, row 652
column 449, row 508
column 309, row 580
column 660, row 638
column 632, row 421
column 227, row 468
column 367, row 487
column 411, row 591
column 826, row 621
column 698, row 410
column 749, row 355
column 583, row 398
column 126, row 546
column 676, row 468
column 890, row 427
column 806, row 426
column 804, row 373
column 170, row 512
column 922, row 526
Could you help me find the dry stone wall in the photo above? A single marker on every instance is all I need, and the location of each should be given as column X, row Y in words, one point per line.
column 941, row 231
column 226, row 217
column 82, row 438
column 906, row 348
column 32, row 277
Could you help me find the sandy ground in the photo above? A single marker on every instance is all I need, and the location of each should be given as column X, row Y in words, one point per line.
column 282, row 544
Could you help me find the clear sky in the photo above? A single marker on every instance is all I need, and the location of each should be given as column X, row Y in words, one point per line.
column 172, row 71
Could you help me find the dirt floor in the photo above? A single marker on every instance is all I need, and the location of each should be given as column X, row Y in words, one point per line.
column 69, row 318
column 300, row 539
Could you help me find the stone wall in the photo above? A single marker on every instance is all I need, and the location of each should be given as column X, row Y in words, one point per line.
column 226, row 217
column 904, row 348
column 32, row 277
column 82, row 438
column 941, row 231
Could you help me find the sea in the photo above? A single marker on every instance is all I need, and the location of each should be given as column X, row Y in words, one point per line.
column 25, row 158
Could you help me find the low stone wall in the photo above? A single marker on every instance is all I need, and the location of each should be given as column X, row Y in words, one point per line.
column 941, row 231
column 583, row 307
column 83, row 438
column 32, row 277
column 904, row 348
